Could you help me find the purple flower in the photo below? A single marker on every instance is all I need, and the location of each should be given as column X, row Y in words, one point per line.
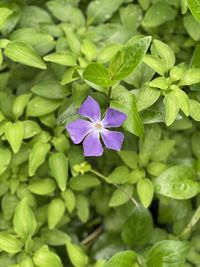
column 90, row 131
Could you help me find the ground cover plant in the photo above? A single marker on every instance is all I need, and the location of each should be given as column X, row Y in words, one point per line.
column 100, row 136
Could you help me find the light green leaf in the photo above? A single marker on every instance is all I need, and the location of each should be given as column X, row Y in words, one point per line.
column 4, row 14
column 100, row 11
column 44, row 257
column 23, row 53
column 165, row 53
column 55, row 212
column 194, row 6
column 171, row 108
column 10, row 243
column 76, row 255
column 37, row 156
column 50, row 89
column 82, row 206
column 119, row 175
column 125, row 102
column 146, row 97
column 138, row 228
column 83, row 182
column 62, row 57
column 24, row 220
column 183, row 100
column 20, row 103
column 14, row 133
column 121, row 196
column 58, row 164
column 157, row 64
column 44, row 186
column 89, row 49
column 54, row 237
column 177, row 182
column 190, row 77
column 69, row 199
column 168, row 252
column 98, row 74
column 40, row 106
column 192, row 27
column 129, row 57
column 122, row 259
column 158, row 14
column 145, row 191
column 5, row 158
column 129, row 157
column 194, row 109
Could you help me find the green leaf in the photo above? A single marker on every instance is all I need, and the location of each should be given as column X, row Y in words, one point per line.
column 55, row 237
column 148, row 143
column 5, row 158
column 165, row 53
column 190, row 77
column 40, row 106
column 169, row 253
column 121, row 196
column 10, row 243
column 194, row 6
column 194, row 109
column 192, row 27
column 171, row 108
column 55, row 212
column 23, row 53
column 44, row 186
column 138, row 228
column 62, row 57
column 40, row 40
column 83, row 182
column 157, row 64
column 119, row 175
column 4, row 14
column 159, row 82
column 130, row 158
column 146, row 97
column 19, row 104
column 89, row 49
column 58, row 164
column 122, row 259
column 177, row 182
column 98, row 74
column 158, row 14
column 24, row 220
column 37, row 156
column 82, row 206
column 129, row 57
column 14, row 133
column 76, row 255
column 145, row 191
column 69, row 199
column 183, row 100
column 98, row 12
column 125, row 102
column 50, row 89
column 44, row 257
column 31, row 128
column 80, row 93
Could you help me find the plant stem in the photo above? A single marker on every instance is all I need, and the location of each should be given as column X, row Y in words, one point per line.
column 192, row 222
column 109, row 94
column 115, row 185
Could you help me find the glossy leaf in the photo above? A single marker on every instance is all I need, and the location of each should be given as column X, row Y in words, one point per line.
column 194, row 7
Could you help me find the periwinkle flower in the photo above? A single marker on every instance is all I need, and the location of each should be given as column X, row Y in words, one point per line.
column 91, row 131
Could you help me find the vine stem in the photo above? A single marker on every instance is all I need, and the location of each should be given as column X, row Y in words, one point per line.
column 195, row 218
column 115, row 185
column 109, row 93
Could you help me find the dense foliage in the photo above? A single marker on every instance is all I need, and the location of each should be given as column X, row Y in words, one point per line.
column 137, row 207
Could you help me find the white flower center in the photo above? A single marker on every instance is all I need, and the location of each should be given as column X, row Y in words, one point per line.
column 98, row 127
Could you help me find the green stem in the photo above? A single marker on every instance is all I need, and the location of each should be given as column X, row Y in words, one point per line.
column 115, row 185
column 195, row 218
column 109, row 94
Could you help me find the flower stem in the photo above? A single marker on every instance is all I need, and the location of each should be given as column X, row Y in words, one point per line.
column 109, row 94
column 115, row 185
column 195, row 218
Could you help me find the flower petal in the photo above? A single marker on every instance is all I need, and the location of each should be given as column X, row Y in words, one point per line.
column 113, row 118
column 90, row 109
column 92, row 145
column 78, row 130
column 112, row 139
